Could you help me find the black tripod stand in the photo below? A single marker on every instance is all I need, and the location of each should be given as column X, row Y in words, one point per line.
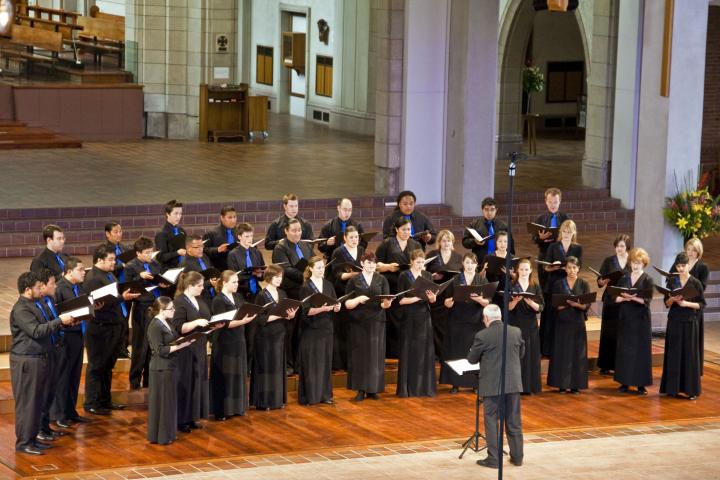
column 473, row 442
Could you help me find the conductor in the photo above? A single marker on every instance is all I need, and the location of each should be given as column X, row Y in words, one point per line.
column 488, row 347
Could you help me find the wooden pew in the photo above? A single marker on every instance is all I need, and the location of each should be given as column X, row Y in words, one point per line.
column 30, row 40
column 103, row 36
column 63, row 16
column 66, row 29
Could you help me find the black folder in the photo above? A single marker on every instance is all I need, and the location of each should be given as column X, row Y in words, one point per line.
column 422, row 285
column 177, row 242
column 280, row 309
column 190, row 336
column 530, row 295
column 688, row 291
column 367, row 236
column 462, row 293
column 346, row 267
column 248, row 309
column 560, row 299
column 496, row 264
column 536, row 228
column 135, row 286
column 318, row 300
column 210, row 273
column 614, row 291
column 74, row 304
column 665, row 273
column 612, row 276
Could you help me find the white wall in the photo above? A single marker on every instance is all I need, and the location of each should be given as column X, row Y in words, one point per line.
column 114, row 7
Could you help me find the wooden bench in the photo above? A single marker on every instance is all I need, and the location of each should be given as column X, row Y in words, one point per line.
column 66, row 29
column 103, row 36
column 28, row 41
column 63, row 16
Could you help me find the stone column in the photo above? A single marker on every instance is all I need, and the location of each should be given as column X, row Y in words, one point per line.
column 471, row 105
column 670, row 127
column 387, row 19
column 601, row 98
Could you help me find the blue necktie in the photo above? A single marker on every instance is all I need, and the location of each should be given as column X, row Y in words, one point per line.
column 147, row 269
column 39, row 305
column 553, row 221
column 412, row 227
column 343, row 225
column 123, row 307
column 203, row 267
column 118, row 251
column 60, row 262
column 253, row 281
column 176, row 232
column 491, row 231
column 230, row 236
column 298, row 251
column 50, row 305
column 76, row 292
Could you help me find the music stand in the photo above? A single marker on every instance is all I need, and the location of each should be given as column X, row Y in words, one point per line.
column 473, row 442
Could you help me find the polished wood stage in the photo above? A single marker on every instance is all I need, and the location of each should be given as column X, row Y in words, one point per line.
column 119, row 441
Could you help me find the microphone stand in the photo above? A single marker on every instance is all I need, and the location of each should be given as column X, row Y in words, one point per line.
column 514, row 157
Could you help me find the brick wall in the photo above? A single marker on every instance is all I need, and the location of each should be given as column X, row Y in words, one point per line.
column 710, row 145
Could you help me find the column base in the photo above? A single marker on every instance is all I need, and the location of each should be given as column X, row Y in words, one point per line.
column 176, row 126
column 595, row 176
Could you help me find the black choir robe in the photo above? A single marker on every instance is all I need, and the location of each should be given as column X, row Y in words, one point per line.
column 526, row 319
column 568, row 358
column 333, row 228
column 419, row 222
column 556, row 252
column 163, row 399
column 389, row 251
column 315, row 349
column 681, row 362
column 268, row 381
column 366, row 350
column 341, row 320
column 292, row 277
column 192, row 264
column 276, row 231
column 118, row 248
column 193, row 388
column 416, row 366
column 633, row 357
column 47, row 259
column 483, row 228
column 228, row 363
column 702, row 273
column 237, row 262
column 441, row 315
column 610, row 312
column 213, row 239
column 545, row 219
column 168, row 256
column 465, row 321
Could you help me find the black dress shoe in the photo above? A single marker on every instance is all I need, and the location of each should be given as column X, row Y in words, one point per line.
column 623, row 389
column 373, row 396
column 42, row 446
column 575, row 391
column 116, row 406
column 692, row 397
column 124, row 354
column 642, row 391
column 194, row 425
column 360, row 396
column 81, row 419
column 31, row 451
column 54, row 433
column 220, row 418
column 328, row 402
column 45, row 437
column 516, row 461
column 604, row 372
column 486, row 462
column 454, row 390
column 184, row 428
column 62, row 423
column 98, row 411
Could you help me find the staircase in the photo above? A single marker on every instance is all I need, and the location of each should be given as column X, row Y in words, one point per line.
column 18, row 135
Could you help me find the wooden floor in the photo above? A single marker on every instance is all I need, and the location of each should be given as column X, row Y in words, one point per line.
column 120, row 441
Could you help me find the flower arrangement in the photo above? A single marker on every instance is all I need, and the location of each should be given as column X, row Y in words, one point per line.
column 695, row 212
column 532, row 79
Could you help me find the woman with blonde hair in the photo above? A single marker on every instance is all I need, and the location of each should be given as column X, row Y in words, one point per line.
column 524, row 312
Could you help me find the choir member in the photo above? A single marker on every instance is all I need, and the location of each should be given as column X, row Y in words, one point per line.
column 568, row 370
column 447, row 263
column 501, row 250
column 220, row 241
column 31, row 342
column 144, row 268
column 420, row 227
column 366, row 346
column 228, row 363
column 163, row 399
column 633, row 360
column 524, row 315
column 315, row 349
column 486, row 226
column 466, row 319
column 268, row 382
column 344, row 258
column 553, row 218
column 242, row 259
column 52, row 256
column 393, row 255
column 559, row 251
column 609, row 323
column 277, row 229
column 168, row 255
column 70, row 358
column 49, row 311
column 113, row 240
column 698, row 269
column 191, row 314
column 197, row 261
column 416, row 366
column 103, row 334
column 334, row 230
column 681, row 363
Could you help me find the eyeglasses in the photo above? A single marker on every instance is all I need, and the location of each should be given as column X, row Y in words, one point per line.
column 169, row 309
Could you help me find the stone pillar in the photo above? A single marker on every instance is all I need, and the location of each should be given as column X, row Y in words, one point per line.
column 471, row 105
column 601, row 98
column 626, row 115
column 387, row 19
column 670, row 127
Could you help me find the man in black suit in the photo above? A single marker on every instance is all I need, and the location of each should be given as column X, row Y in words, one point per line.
column 276, row 230
column 487, row 347
column 421, row 228
column 172, row 249
column 334, row 229
column 221, row 239
column 113, row 240
column 485, row 226
column 552, row 218
column 197, row 261
column 51, row 257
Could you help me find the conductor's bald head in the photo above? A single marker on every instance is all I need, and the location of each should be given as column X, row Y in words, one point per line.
column 491, row 314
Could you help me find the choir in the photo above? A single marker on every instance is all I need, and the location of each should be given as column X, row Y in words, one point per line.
column 347, row 308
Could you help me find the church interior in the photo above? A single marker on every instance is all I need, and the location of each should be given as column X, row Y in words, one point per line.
column 111, row 108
